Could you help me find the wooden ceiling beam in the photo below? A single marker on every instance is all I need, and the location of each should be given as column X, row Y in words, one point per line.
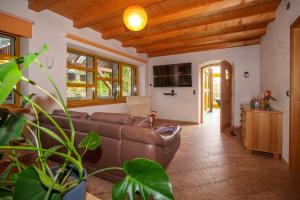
column 243, row 35
column 232, row 25
column 39, row 5
column 114, row 10
column 194, row 12
column 206, row 47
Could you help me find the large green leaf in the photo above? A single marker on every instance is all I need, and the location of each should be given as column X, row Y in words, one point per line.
column 10, row 75
column 12, row 129
column 146, row 177
column 91, row 141
column 29, row 186
column 30, row 58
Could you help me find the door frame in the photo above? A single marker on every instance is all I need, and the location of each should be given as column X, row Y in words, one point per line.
column 292, row 134
column 201, row 89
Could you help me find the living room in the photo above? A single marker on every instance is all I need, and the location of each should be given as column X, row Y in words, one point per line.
column 99, row 65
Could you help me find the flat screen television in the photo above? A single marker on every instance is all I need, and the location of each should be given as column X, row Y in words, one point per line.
column 173, row 75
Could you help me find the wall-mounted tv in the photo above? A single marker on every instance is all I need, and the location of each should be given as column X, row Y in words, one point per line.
column 173, row 75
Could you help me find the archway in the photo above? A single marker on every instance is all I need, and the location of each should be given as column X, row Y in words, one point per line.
column 216, row 86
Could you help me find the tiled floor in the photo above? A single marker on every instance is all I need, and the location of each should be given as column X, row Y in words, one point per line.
column 212, row 118
column 211, row 165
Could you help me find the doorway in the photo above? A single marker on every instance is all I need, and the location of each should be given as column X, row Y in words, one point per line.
column 211, row 94
column 294, row 147
column 216, row 95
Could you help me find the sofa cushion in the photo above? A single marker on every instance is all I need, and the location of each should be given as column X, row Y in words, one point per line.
column 73, row 114
column 115, row 118
column 144, row 122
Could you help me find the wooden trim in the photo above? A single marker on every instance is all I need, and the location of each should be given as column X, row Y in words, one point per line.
column 100, row 46
column 80, row 85
column 294, row 144
column 86, row 69
column 15, row 25
column 96, row 102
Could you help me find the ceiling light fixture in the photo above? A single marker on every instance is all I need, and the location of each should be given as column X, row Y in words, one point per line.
column 135, row 18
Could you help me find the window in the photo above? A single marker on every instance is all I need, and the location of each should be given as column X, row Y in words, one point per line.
column 93, row 80
column 9, row 48
column 129, row 80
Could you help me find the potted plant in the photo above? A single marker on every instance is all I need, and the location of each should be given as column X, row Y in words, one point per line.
column 19, row 180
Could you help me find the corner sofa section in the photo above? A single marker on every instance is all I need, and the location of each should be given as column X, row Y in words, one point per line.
column 124, row 137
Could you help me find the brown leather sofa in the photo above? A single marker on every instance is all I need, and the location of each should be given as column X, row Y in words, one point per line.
column 124, row 137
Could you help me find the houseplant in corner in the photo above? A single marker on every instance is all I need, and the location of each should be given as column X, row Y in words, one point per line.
column 20, row 180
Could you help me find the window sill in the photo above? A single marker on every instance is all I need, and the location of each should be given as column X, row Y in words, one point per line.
column 17, row 109
column 88, row 103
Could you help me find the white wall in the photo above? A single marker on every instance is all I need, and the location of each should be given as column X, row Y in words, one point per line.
column 51, row 29
column 185, row 106
column 275, row 62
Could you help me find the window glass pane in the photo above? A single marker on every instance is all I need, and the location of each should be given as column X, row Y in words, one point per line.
column 79, row 93
column 79, row 60
column 128, row 81
column 107, row 89
column 77, row 76
column 7, row 45
column 107, row 69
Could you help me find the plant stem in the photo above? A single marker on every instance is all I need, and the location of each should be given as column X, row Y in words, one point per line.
column 61, row 100
column 51, row 186
column 102, row 170
column 65, row 156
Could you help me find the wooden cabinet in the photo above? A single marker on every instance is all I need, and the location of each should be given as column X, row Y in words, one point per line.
column 262, row 130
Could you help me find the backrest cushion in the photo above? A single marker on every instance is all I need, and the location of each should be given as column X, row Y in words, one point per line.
column 115, row 118
column 73, row 114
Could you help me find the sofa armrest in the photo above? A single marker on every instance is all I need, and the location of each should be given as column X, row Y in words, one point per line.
column 149, row 136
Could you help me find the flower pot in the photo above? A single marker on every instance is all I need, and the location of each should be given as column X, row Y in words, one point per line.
column 78, row 192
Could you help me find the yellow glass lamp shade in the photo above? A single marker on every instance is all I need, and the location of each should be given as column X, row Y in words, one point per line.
column 135, row 18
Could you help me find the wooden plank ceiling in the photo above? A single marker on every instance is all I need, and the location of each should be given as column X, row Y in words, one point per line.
column 174, row 26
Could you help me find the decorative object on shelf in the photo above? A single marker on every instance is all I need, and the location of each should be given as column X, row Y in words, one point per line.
column 172, row 93
column 262, row 101
column 21, row 180
column 135, row 18
column 267, row 96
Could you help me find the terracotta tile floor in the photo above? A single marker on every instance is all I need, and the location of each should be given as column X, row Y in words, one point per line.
column 211, row 165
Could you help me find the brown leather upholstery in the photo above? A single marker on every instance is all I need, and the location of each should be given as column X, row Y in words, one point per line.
column 120, row 142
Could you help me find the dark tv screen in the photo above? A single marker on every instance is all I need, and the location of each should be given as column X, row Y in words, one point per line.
column 174, row 75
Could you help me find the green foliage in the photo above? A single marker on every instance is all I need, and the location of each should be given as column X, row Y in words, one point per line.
column 12, row 129
column 25, row 102
column 146, row 177
column 126, row 80
column 91, row 141
column 29, row 186
column 6, row 172
column 4, row 114
column 10, row 75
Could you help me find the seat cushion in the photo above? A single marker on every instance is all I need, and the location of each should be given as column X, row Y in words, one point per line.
column 115, row 118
